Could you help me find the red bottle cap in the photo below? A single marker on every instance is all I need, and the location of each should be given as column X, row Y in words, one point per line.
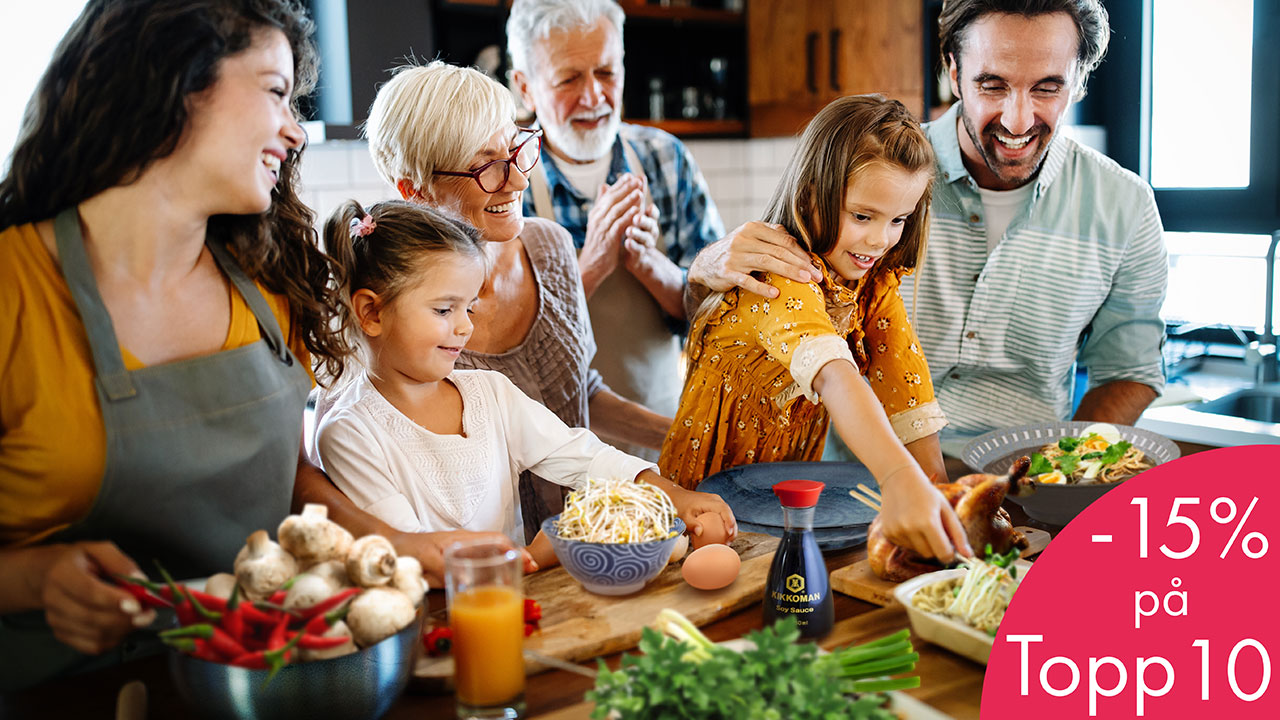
column 798, row 493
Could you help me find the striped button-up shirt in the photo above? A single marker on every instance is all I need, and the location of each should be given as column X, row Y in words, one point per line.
column 1080, row 274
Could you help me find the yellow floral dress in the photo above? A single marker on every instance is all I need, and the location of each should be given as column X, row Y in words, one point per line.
column 749, row 393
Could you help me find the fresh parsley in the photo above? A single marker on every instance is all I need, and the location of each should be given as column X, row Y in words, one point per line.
column 1115, row 452
column 1068, row 444
column 778, row 679
column 1039, row 465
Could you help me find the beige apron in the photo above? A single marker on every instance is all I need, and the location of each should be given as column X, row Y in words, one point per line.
column 637, row 355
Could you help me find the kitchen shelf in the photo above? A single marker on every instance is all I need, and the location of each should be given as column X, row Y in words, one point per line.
column 695, row 127
column 690, row 14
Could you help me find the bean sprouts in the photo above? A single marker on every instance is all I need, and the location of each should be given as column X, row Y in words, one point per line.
column 616, row 511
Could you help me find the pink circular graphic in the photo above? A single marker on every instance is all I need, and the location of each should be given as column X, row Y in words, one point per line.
column 1126, row 636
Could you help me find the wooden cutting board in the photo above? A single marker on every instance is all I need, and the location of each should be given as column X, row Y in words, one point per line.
column 858, row 580
column 578, row 625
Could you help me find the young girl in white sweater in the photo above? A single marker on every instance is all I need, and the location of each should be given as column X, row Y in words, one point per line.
column 422, row 446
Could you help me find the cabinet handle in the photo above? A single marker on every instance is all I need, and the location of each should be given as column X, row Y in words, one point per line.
column 811, row 61
column 835, row 60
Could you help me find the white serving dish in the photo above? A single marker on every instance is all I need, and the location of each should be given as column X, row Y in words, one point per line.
column 952, row 634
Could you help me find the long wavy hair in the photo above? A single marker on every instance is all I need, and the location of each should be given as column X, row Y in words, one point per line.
column 845, row 138
column 116, row 98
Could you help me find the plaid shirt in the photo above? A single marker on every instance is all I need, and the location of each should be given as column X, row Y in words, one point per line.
column 688, row 218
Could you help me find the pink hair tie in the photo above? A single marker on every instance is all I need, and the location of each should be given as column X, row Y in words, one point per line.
column 361, row 227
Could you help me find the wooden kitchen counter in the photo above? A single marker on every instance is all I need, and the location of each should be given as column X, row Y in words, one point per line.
column 949, row 682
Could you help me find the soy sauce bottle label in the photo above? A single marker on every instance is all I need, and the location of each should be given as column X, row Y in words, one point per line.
column 798, row 584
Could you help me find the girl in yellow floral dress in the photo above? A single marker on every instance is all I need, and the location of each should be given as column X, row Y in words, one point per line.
column 766, row 376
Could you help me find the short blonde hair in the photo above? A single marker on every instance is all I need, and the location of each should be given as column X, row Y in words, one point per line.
column 434, row 117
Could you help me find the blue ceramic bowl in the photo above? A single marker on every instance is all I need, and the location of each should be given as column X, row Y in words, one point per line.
column 612, row 568
column 359, row 686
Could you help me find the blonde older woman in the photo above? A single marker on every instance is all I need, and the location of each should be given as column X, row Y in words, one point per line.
column 445, row 136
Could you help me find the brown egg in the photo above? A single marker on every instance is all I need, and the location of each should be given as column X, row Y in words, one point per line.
column 713, row 530
column 711, row 567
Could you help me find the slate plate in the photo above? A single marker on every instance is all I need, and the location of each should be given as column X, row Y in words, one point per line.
column 829, row 539
column 749, row 491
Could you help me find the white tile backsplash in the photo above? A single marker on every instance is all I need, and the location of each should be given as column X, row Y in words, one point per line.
column 741, row 174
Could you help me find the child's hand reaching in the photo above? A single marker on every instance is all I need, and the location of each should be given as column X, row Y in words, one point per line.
column 691, row 503
column 914, row 514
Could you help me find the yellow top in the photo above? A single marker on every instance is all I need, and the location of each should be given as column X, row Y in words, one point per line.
column 749, row 396
column 52, row 440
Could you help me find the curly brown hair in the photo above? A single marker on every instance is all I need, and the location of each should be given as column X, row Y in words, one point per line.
column 115, row 98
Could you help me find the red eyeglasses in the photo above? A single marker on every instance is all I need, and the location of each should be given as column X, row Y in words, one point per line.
column 493, row 175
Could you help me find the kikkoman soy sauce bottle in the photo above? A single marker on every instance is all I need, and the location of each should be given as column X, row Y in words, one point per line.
column 798, row 583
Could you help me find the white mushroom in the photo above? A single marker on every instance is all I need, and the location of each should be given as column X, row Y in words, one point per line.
column 408, row 578
column 335, row 571
column 307, row 590
column 338, row 629
column 221, row 585
column 312, row 537
column 371, row 561
column 377, row 614
column 263, row 566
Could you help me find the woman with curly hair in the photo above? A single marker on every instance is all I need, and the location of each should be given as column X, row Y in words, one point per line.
column 161, row 295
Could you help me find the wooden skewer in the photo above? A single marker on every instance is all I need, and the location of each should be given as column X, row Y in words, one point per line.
column 869, row 503
column 870, row 493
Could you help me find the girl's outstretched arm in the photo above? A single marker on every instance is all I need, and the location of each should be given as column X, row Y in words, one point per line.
column 914, row 514
column 691, row 503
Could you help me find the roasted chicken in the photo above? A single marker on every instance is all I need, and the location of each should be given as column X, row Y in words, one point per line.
column 976, row 499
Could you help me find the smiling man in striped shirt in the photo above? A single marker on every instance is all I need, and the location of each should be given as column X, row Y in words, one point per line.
column 1042, row 252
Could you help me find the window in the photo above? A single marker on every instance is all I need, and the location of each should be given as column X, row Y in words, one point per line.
column 1180, row 114
column 1209, row 139
column 34, row 31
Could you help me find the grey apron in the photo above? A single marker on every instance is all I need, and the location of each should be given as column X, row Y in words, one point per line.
column 200, row 453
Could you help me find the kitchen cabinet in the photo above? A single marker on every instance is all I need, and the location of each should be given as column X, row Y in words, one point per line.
column 805, row 53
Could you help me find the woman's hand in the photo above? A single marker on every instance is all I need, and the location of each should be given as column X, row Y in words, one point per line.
column 85, row 611
column 429, row 549
column 914, row 514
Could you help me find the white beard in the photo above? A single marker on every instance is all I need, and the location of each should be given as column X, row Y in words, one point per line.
column 584, row 145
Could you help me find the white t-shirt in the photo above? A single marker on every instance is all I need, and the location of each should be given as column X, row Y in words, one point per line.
column 1000, row 207
column 418, row 481
column 587, row 178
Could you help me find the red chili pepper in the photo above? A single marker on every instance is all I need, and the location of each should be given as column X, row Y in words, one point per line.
column 532, row 611
column 268, row 659
column 321, row 642
column 212, row 602
column 277, row 638
column 277, row 597
column 181, row 603
column 220, row 641
column 144, row 598
column 204, row 612
column 255, row 615
column 329, row 603
column 438, row 641
column 233, row 618
column 320, row 624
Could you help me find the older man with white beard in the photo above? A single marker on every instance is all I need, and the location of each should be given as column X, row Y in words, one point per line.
column 631, row 196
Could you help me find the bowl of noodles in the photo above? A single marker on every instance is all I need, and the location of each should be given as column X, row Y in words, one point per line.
column 614, row 536
column 1073, row 463
column 960, row 609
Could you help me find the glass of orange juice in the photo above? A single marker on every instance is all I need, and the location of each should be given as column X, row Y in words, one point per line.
column 486, row 614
